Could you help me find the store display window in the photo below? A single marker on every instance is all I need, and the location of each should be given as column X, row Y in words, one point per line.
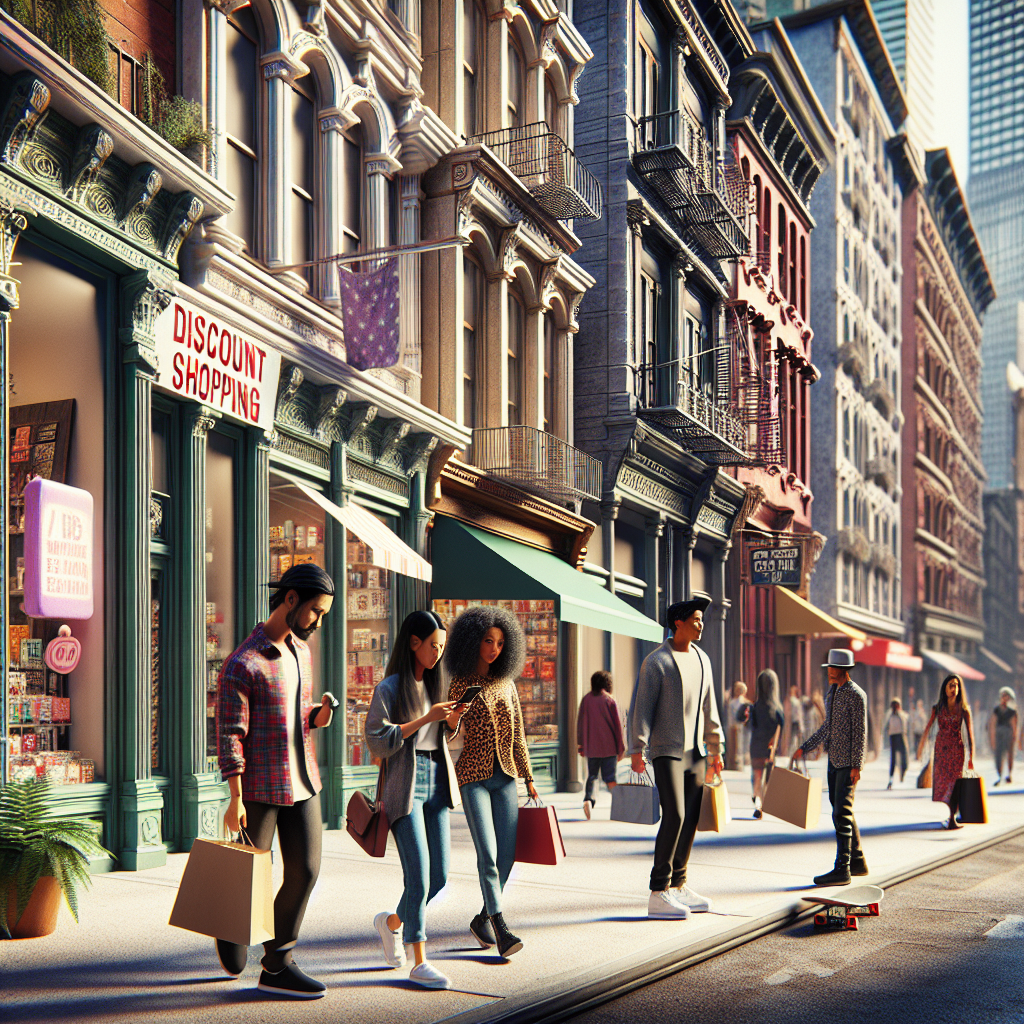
column 369, row 627
column 297, row 534
column 221, row 575
column 538, row 685
column 55, row 721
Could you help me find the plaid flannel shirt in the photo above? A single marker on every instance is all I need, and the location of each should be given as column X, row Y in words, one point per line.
column 252, row 724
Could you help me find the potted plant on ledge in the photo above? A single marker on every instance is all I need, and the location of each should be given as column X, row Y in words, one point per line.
column 41, row 857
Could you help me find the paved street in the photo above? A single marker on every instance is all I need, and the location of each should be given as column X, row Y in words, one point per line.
column 583, row 923
column 948, row 946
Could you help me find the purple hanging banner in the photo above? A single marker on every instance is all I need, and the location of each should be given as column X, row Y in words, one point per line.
column 369, row 309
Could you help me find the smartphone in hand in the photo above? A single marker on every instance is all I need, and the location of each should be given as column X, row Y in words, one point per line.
column 470, row 695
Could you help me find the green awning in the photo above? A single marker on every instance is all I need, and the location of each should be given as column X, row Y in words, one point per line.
column 473, row 564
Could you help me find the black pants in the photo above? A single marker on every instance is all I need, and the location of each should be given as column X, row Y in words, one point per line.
column 841, row 790
column 680, row 791
column 897, row 748
column 300, row 836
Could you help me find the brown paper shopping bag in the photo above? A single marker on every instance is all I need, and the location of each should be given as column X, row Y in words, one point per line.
column 714, row 807
column 793, row 797
column 226, row 892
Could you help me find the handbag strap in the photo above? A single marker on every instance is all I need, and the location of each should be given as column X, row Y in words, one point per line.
column 644, row 777
column 243, row 837
column 380, row 780
column 535, row 801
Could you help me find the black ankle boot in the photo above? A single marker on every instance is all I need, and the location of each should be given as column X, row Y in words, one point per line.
column 480, row 926
column 840, row 874
column 507, row 942
column 858, row 865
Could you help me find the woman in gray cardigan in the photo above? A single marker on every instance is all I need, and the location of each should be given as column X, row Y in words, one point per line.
column 407, row 727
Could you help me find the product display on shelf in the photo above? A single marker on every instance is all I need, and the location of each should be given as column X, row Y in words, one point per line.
column 38, row 704
column 369, row 627
column 538, row 685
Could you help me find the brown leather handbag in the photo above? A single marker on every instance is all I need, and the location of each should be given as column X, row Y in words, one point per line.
column 366, row 822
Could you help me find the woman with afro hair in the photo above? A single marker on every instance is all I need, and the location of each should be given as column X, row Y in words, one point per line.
column 486, row 648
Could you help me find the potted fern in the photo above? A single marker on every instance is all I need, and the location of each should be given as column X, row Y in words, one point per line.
column 41, row 857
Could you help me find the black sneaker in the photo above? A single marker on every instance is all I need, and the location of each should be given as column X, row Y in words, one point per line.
column 291, row 982
column 232, row 957
column 480, row 926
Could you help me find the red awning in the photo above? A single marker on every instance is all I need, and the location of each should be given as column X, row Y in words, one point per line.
column 886, row 654
column 947, row 662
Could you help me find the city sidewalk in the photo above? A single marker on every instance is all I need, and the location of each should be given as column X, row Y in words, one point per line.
column 583, row 923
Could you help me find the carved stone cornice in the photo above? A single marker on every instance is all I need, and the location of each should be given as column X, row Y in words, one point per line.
column 26, row 105
column 290, row 381
column 332, row 399
column 394, row 433
column 12, row 223
column 144, row 296
column 636, row 216
column 419, row 453
column 92, row 150
column 363, row 414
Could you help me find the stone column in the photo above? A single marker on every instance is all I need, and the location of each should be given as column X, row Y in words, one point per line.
column 688, row 539
column 654, row 531
column 201, row 790
column 609, row 513
column 216, row 12
column 12, row 223
column 533, row 368
column 330, row 200
column 144, row 295
column 380, row 168
column 409, row 277
column 275, row 164
column 717, row 648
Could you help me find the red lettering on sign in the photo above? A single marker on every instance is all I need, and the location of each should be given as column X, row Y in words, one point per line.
column 190, row 374
column 204, row 381
column 254, row 405
column 179, row 324
column 179, row 361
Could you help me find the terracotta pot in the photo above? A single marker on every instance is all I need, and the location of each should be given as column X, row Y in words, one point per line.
column 40, row 916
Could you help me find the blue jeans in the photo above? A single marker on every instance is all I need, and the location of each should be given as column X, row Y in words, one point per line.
column 424, row 845
column 599, row 766
column 492, row 813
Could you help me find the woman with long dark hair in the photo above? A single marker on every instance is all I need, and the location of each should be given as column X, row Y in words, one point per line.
column 408, row 725
column 951, row 710
column 486, row 648
column 766, row 721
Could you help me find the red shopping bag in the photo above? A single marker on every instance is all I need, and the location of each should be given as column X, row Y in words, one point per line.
column 538, row 837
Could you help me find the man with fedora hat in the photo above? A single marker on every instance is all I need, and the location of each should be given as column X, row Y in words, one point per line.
column 842, row 736
column 673, row 720
column 265, row 711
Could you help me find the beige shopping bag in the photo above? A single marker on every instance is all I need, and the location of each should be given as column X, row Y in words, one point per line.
column 793, row 797
column 226, row 892
column 715, row 811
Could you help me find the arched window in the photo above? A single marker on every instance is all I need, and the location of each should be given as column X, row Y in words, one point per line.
column 472, row 333
column 793, row 290
column 352, row 201
column 302, row 172
column 552, row 109
column 514, row 349
column 548, row 398
column 846, row 328
column 803, row 277
column 782, row 249
column 846, row 260
column 241, row 152
column 474, row 23
column 766, row 234
column 757, row 214
column 516, row 85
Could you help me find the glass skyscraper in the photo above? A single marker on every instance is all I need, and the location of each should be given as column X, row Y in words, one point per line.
column 996, row 193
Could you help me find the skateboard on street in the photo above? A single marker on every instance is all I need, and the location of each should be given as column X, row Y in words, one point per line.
column 841, row 909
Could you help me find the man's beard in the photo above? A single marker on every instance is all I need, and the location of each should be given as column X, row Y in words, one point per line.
column 293, row 624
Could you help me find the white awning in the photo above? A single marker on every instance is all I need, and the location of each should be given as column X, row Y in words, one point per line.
column 388, row 550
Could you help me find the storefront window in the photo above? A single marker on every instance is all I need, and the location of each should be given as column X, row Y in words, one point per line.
column 55, row 721
column 221, row 578
column 538, row 685
column 369, row 621
column 297, row 535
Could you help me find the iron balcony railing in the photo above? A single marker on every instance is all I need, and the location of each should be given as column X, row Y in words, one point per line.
column 548, row 168
column 676, row 398
column 712, row 200
column 537, row 461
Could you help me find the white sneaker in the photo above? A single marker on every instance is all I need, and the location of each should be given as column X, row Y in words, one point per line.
column 686, row 897
column 661, row 905
column 394, row 951
column 427, row 975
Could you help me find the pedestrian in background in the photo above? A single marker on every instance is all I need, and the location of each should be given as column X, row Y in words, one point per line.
column 408, row 726
column 486, row 648
column 795, row 717
column 951, row 711
column 1002, row 732
column 737, row 749
column 896, row 729
column 599, row 736
column 843, row 736
column 765, row 719
column 674, row 720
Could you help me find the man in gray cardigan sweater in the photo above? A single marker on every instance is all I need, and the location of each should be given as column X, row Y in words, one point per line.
column 673, row 720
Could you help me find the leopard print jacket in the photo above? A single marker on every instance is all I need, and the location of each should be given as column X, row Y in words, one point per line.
column 493, row 726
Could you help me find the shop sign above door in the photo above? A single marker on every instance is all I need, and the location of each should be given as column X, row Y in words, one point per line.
column 58, row 551
column 210, row 361
column 779, row 565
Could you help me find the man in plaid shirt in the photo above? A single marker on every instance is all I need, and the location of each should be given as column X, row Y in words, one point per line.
column 843, row 736
column 265, row 711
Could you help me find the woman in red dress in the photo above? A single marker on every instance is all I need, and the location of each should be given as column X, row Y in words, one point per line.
column 951, row 710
